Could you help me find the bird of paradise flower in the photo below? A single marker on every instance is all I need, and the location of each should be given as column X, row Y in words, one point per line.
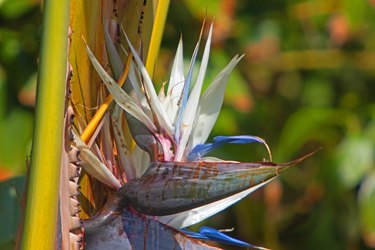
column 169, row 181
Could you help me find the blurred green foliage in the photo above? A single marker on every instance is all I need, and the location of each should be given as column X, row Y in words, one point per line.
column 10, row 193
column 307, row 81
column 19, row 31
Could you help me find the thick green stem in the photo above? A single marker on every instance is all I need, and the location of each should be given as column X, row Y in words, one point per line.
column 41, row 210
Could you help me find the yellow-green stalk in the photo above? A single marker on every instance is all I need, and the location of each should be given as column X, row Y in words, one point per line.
column 41, row 210
column 157, row 34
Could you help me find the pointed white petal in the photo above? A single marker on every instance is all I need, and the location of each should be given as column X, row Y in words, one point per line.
column 210, row 104
column 137, row 87
column 181, row 103
column 135, row 81
column 176, row 84
column 93, row 165
column 196, row 215
column 192, row 104
column 157, row 107
column 161, row 94
column 119, row 95
column 134, row 78
column 122, row 147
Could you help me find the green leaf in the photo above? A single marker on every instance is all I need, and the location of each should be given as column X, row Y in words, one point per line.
column 355, row 156
column 15, row 9
column 15, row 130
column 304, row 125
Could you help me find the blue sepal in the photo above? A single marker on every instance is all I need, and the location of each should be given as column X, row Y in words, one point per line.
column 211, row 234
column 201, row 150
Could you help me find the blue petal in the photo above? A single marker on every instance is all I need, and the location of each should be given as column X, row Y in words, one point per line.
column 201, row 150
column 237, row 139
column 211, row 234
column 194, row 235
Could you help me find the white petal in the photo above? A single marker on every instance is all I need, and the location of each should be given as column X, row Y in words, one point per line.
column 196, row 215
column 182, row 101
column 176, row 84
column 210, row 104
column 119, row 95
column 93, row 165
column 122, row 147
column 192, row 104
column 157, row 107
column 135, row 81
column 161, row 94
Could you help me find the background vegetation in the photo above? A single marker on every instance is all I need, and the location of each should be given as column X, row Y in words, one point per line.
column 307, row 81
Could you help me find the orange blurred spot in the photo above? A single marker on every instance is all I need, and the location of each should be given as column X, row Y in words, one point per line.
column 339, row 29
column 372, row 3
column 5, row 174
column 272, row 194
column 369, row 238
column 242, row 103
column 224, row 24
column 264, row 49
